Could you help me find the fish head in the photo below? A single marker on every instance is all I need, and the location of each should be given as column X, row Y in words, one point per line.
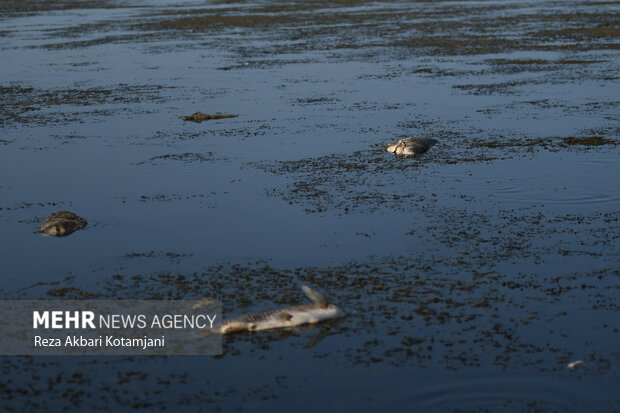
column 391, row 148
column 232, row 327
column 56, row 230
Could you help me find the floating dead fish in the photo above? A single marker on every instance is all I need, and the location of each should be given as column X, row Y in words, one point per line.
column 574, row 364
column 410, row 146
column 199, row 116
column 62, row 223
column 321, row 310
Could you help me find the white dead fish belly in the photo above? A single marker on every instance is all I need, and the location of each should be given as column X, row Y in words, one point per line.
column 410, row 146
column 286, row 317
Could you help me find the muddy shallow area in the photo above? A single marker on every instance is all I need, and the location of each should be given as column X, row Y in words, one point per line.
column 472, row 275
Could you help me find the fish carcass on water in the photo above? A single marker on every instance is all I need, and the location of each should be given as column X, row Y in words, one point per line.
column 320, row 310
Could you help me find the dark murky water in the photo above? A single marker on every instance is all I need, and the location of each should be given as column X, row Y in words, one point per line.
column 472, row 276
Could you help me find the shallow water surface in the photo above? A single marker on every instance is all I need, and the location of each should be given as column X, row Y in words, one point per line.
column 471, row 275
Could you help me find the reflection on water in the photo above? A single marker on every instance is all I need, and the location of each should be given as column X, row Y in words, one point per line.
column 505, row 393
column 576, row 182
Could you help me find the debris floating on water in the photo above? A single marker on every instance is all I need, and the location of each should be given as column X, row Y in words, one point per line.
column 321, row 310
column 199, row 116
column 62, row 223
column 410, row 146
column 574, row 364
column 588, row 141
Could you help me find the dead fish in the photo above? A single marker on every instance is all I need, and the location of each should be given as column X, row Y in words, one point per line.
column 410, row 146
column 320, row 310
column 199, row 116
column 62, row 223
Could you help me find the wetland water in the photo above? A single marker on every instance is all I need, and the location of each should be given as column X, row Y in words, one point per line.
column 471, row 276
